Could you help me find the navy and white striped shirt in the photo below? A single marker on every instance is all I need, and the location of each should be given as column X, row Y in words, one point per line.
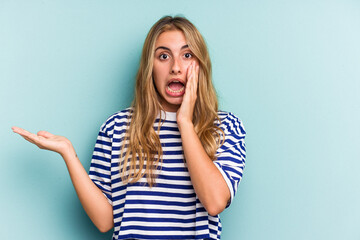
column 170, row 209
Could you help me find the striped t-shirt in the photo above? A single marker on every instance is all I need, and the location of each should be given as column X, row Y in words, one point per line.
column 170, row 209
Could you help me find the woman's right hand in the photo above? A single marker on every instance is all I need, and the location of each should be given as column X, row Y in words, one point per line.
column 91, row 197
column 47, row 141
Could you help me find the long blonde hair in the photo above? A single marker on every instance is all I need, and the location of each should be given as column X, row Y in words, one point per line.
column 144, row 151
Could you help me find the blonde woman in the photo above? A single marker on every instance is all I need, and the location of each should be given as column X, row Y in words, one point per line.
column 167, row 166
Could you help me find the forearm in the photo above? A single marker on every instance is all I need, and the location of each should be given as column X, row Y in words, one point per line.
column 91, row 197
column 209, row 184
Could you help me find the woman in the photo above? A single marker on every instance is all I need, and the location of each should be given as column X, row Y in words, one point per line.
column 168, row 165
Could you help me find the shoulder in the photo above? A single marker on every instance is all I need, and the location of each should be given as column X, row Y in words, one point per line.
column 119, row 118
column 231, row 124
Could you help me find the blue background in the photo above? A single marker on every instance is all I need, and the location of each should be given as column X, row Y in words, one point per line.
column 289, row 69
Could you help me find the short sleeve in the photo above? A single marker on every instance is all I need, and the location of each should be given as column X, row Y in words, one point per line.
column 231, row 155
column 100, row 168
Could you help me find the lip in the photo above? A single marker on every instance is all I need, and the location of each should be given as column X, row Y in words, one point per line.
column 175, row 94
column 176, row 80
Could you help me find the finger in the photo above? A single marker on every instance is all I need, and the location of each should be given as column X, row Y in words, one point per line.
column 29, row 140
column 189, row 71
column 45, row 134
column 195, row 77
column 37, row 140
column 189, row 84
column 22, row 132
column 188, row 81
column 195, row 73
column 16, row 129
column 31, row 137
column 197, row 69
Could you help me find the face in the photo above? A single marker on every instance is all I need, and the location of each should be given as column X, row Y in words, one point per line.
column 171, row 60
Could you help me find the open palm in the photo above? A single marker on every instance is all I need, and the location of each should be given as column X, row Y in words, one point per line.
column 45, row 140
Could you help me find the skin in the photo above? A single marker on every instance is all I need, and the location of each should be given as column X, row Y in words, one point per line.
column 91, row 197
column 173, row 60
column 209, row 184
column 207, row 180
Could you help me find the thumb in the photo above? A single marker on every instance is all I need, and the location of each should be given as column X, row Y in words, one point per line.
column 45, row 134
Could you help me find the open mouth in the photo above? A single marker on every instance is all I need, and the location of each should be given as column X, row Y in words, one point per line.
column 176, row 87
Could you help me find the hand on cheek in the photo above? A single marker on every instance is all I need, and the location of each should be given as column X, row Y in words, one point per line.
column 185, row 112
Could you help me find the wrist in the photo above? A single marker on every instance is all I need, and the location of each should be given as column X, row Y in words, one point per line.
column 185, row 125
column 68, row 152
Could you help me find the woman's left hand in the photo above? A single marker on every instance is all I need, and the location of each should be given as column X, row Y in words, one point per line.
column 186, row 110
column 209, row 184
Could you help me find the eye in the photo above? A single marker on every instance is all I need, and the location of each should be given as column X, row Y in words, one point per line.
column 188, row 55
column 163, row 56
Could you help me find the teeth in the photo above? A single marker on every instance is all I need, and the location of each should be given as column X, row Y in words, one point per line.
column 177, row 91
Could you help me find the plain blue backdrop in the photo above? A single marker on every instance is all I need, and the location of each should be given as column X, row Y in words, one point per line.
column 289, row 69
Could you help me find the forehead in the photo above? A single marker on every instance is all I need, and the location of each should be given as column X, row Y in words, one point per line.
column 171, row 39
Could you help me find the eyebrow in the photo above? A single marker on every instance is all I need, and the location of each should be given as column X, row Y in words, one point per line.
column 168, row 49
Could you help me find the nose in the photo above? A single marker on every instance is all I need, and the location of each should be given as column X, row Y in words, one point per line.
column 175, row 68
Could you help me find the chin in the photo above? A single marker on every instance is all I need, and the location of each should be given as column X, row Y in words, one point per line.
column 172, row 105
column 176, row 101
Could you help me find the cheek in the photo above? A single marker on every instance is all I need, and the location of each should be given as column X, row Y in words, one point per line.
column 160, row 70
column 187, row 63
column 155, row 74
column 186, row 66
column 158, row 76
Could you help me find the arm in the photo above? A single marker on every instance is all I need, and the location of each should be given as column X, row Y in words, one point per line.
column 208, row 182
column 91, row 197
